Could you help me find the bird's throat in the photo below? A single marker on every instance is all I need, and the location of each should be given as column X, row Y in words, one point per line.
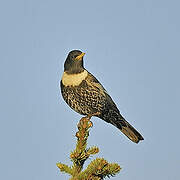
column 74, row 79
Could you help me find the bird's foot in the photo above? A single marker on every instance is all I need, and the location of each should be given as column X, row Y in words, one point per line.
column 85, row 123
column 94, row 114
column 88, row 117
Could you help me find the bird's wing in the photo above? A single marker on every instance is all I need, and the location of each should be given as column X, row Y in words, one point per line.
column 91, row 80
column 96, row 84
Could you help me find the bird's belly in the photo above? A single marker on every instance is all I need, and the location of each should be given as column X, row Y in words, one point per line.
column 84, row 100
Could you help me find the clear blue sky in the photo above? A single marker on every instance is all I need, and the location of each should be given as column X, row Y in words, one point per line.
column 132, row 47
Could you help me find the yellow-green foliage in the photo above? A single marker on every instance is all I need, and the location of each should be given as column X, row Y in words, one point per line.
column 98, row 169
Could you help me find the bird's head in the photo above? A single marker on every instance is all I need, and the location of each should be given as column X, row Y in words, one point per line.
column 74, row 62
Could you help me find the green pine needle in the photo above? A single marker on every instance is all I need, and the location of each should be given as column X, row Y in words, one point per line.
column 98, row 169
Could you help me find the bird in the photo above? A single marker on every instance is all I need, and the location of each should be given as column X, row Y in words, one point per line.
column 85, row 95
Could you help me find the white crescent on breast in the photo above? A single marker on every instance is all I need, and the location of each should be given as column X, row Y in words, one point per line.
column 74, row 79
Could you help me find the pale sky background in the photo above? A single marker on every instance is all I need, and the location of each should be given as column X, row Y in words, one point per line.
column 132, row 47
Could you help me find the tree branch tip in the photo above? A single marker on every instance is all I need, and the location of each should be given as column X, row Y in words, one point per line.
column 98, row 169
column 59, row 165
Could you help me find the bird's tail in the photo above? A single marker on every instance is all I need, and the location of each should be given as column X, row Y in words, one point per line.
column 128, row 130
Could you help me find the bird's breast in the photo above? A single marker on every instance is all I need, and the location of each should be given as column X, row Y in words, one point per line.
column 73, row 79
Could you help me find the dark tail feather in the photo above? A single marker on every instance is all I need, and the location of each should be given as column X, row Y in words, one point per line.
column 128, row 130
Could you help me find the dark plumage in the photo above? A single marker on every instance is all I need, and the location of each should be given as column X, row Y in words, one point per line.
column 84, row 94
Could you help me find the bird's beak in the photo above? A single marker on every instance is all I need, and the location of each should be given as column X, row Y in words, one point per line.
column 80, row 56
